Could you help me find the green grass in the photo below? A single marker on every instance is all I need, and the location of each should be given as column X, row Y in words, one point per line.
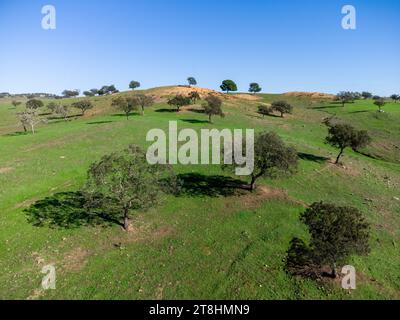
column 196, row 246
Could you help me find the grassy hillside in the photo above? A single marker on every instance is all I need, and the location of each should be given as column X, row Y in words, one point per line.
column 210, row 242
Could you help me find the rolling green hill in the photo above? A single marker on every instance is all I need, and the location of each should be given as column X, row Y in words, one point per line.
column 208, row 243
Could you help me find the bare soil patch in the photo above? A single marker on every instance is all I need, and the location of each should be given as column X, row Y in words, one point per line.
column 6, row 170
column 312, row 95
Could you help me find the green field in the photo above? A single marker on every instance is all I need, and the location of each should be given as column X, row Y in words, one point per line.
column 208, row 243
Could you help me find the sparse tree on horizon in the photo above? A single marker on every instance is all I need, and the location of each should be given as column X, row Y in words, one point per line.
column 89, row 93
column 192, row 81
column 70, row 93
column 395, row 97
column 228, row 86
column 94, row 91
column 254, row 88
column 134, row 84
column 366, row 95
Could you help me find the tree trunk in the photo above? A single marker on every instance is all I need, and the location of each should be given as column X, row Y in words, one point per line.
column 334, row 273
column 24, row 128
column 126, row 219
column 33, row 129
column 338, row 157
column 127, row 116
column 209, row 118
column 142, row 111
column 253, row 183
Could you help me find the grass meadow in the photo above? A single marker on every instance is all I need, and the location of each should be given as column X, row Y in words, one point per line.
column 207, row 243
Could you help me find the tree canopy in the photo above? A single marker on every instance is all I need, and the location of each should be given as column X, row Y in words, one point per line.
column 34, row 104
column 336, row 233
column 125, row 104
column 83, row 105
column 192, row 81
column 272, row 158
column 70, row 93
column 179, row 101
column 380, row 103
column 124, row 182
column 228, row 85
column 142, row 101
column 213, row 106
column 282, row 107
column 344, row 136
column 134, row 84
column 254, row 88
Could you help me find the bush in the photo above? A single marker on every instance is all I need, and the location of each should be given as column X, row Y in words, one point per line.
column 336, row 233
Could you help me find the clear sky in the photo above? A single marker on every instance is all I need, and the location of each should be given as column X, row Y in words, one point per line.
column 284, row 45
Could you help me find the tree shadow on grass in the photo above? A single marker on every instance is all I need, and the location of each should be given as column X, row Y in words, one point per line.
column 59, row 118
column 67, row 210
column 164, row 110
column 360, row 111
column 271, row 115
column 327, row 107
column 16, row 134
column 195, row 121
column 98, row 122
column 196, row 110
column 199, row 185
column 312, row 157
column 123, row 115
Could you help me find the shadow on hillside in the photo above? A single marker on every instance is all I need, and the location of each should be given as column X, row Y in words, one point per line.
column 198, row 185
column 196, row 110
column 98, row 122
column 271, row 115
column 66, row 210
column 195, row 121
column 360, row 111
column 16, row 134
column 164, row 110
column 123, row 115
column 311, row 157
column 71, row 117
column 327, row 107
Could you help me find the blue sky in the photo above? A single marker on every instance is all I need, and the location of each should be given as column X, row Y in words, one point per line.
column 283, row 45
